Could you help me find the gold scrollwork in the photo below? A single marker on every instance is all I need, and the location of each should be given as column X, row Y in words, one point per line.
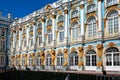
column 49, row 27
column 90, row 47
column 39, row 30
column 73, row 49
column 60, row 23
column 59, row 51
column 91, row 14
column 74, row 19
column 66, row 11
column 31, row 32
column 65, row 57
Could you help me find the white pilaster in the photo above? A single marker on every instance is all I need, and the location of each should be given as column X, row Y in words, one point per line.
column 99, row 18
column 82, row 19
column 43, row 32
column 66, row 25
column 34, row 35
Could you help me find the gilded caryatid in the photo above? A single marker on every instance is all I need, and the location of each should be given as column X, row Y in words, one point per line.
column 65, row 57
column 99, row 49
column 80, row 51
column 53, row 57
column 42, row 58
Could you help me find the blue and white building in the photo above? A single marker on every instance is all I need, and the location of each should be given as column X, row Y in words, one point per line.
column 68, row 35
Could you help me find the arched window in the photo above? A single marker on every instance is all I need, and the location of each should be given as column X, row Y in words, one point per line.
column 90, row 8
column 73, row 59
column 74, row 14
column 48, row 60
column 61, row 18
column 112, row 57
column 92, row 28
column 61, row 33
column 39, row 38
column 24, row 31
column 50, row 36
column 49, row 22
column 38, row 60
column 30, row 60
column 75, row 31
column 2, row 60
column 40, row 26
column 111, row 2
column 91, row 58
column 113, row 22
column 60, row 59
column 31, row 28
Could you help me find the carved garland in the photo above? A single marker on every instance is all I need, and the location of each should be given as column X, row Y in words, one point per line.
column 80, row 54
column 99, row 50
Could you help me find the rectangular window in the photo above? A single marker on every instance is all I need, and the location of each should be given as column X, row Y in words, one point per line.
column 110, row 21
column 108, row 59
column 87, row 60
column 116, row 25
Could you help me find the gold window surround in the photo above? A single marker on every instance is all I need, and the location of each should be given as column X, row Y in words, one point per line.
column 60, row 23
column 73, row 49
column 49, row 27
column 39, row 30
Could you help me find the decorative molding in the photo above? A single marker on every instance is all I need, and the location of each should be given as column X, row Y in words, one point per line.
column 99, row 0
column 43, row 20
column 73, row 49
column 60, row 24
column 111, row 44
column 99, row 63
column 90, row 1
column 91, row 14
column 82, row 6
column 89, row 47
column 49, row 27
column 60, row 12
column 39, row 30
column 59, row 51
column 53, row 16
column 105, row 19
column 31, row 32
column 65, row 57
column 80, row 63
column 74, row 19
column 66, row 11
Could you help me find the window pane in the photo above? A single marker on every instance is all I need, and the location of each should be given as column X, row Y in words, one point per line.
column 87, row 60
column 108, row 60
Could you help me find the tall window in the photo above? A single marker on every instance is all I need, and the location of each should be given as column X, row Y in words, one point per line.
column 39, row 38
column 23, row 61
column 113, row 22
column 75, row 31
column 24, row 31
column 61, row 18
column 50, row 36
column 74, row 59
column 30, row 60
column 31, row 28
column 91, row 8
column 31, row 40
column 48, row 60
column 1, row 60
column 111, row 2
column 60, row 59
column 92, row 29
column 112, row 57
column 74, row 14
column 61, row 34
column 38, row 63
column 91, row 58
column 49, row 22
column 40, row 26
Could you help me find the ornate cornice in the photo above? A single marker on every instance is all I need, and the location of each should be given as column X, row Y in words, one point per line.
column 91, row 14
column 53, row 16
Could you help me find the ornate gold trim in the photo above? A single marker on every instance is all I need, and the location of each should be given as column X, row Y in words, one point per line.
column 48, row 8
column 59, row 51
column 39, row 30
column 49, row 27
column 66, row 11
column 105, row 19
column 111, row 44
column 65, row 57
column 82, row 6
column 90, row 1
column 31, row 32
column 53, row 16
column 74, row 19
column 89, row 47
column 60, row 23
column 99, row 63
column 80, row 63
column 43, row 20
column 73, row 49
column 59, row 12
column 99, row 0
column 91, row 14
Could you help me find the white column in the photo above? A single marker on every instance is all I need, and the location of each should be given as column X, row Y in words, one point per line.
column 99, row 18
column 27, row 35
column 53, row 25
column 43, row 32
column 82, row 19
column 66, row 25
column 34, row 34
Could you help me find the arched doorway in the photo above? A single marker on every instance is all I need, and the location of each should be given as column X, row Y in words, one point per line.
column 112, row 59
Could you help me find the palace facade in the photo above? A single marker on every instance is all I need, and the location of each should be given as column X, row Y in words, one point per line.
column 68, row 35
column 4, row 38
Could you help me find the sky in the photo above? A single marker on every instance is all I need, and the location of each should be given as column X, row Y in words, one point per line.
column 21, row 8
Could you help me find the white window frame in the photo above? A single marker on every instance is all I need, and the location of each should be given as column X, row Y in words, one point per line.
column 90, row 60
column 60, row 59
column 48, row 60
column 113, row 32
column 92, row 27
column 110, row 65
column 75, row 31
